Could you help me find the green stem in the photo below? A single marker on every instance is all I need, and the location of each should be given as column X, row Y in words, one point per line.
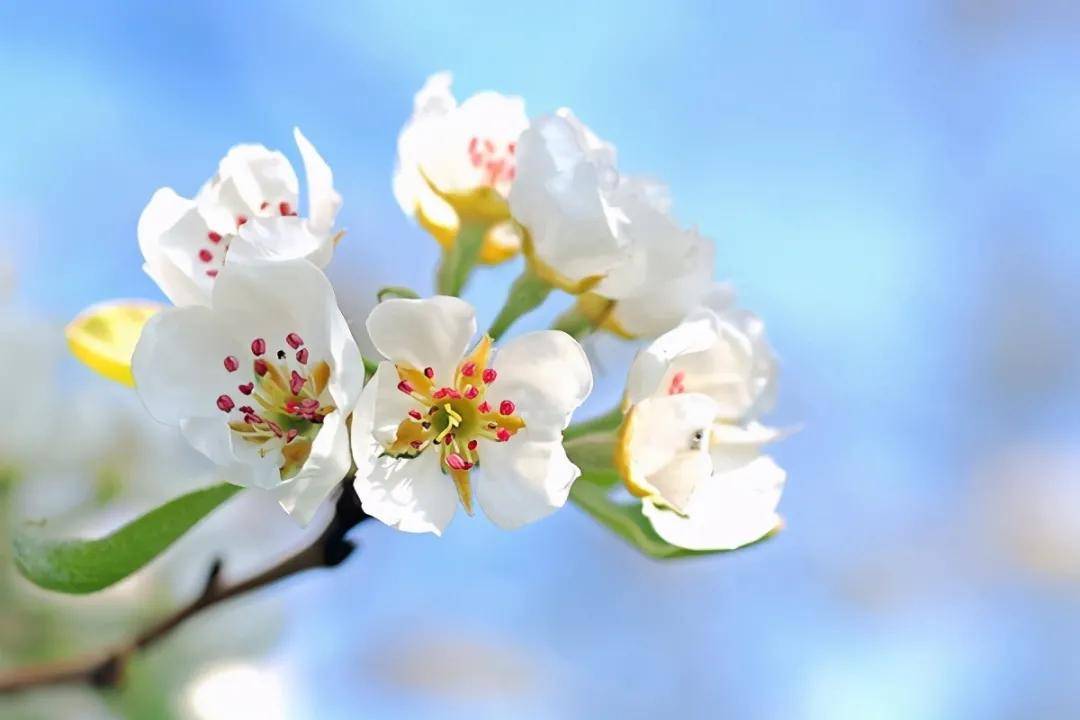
column 526, row 294
column 574, row 323
column 370, row 367
column 607, row 422
column 458, row 262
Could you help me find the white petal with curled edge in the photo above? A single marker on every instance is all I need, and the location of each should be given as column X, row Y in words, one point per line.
column 165, row 211
column 301, row 495
column 260, row 175
column 547, row 376
column 238, row 462
column 665, row 446
column 433, row 332
column 430, row 107
column 412, row 495
column 729, row 510
column 177, row 364
column 280, row 238
column 323, row 200
column 523, row 480
column 647, row 372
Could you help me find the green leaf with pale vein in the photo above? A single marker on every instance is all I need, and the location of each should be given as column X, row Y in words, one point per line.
column 86, row 566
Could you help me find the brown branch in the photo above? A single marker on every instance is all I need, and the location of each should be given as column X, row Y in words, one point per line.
column 106, row 669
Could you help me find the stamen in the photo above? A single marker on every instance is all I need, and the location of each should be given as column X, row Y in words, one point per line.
column 246, row 389
column 213, row 237
column 225, row 403
column 284, row 208
column 247, row 409
column 264, row 205
column 415, row 415
column 261, row 368
column 258, row 346
column 406, row 387
column 468, row 369
column 302, row 356
column 240, row 220
column 489, row 376
column 484, row 408
column 502, row 434
column 456, row 462
column 677, row 386
column 296, row 382
column 506, row 408
column 472, row 444
column 291, row 435
column 205, row 255
column 429, row 372
column 471, row 392
column 212, row 273
column 294, row 340
column 231, row 363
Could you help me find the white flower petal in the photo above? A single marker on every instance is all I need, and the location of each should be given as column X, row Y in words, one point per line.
column 177, row 363
column 168, row 215
column 523, row 480
column 410, row 495
column 323, row 200
column 238, row 463
column 547, row 376
column 261, row 176
column 433, row 332
column 729, row 510
column 665, row 445
column 280, row 238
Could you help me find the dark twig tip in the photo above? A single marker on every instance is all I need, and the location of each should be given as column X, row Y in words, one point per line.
column 109, row 673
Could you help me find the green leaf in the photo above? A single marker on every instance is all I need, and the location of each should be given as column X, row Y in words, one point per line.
column 627, row 521
column 85, row 566
column 458, row 262
column 396, row 291
column 526, row 294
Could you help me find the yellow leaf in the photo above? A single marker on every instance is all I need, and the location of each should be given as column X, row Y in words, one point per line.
column 103, row 336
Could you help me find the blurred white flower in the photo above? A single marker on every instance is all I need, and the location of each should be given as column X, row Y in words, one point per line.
column 237, row 691
column 433, row 413
column 690, row 445
column 460, row 158
column 667, row 274
column 566, row 197
column 250, row 209
column 275, row 420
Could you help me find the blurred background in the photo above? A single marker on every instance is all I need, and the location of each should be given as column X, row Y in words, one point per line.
column 892, row 186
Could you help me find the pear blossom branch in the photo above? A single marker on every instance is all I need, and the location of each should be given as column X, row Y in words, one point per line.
column 106, row 669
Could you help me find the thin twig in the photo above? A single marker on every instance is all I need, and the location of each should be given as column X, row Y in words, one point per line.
column 106, row 669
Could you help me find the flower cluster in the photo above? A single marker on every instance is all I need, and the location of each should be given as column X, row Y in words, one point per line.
column 258, row 368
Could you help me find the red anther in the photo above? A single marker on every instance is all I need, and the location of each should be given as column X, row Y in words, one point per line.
column 456, row 462
column 511, row 147
column 468, row 369
column 310, row 404
column 416, row 444
column 502, row 435
column 471, row 393
column 291, row 435
column 453, row 394
column 302, row 356
column 511, row 174
column 294, row 340
column 240, row 220
column 296, row 382
column 246, row 389
column 258, row 347
column 231, row 363
column 472, row 144
column 489, row 376
column 264, row 205
column 440, row 394
column 483, row 407
column 261, row 368
column 211, row 273
column 415, row 415
column 429, row 372
column 489, row 146
column 284, row 208
column 253, row 419
column 275, row 428
column 246, row 409
column 677, row 386
column 448, row 438
column 405, row 386
column 205, row 255
column 472, row 444
column 213, row 237
column 506, row 408
column 225, row 403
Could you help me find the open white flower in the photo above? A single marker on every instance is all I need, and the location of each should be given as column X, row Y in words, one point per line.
column 565, row 195
column 690, row 444
column 250, row 208
column 435, row 411
column 460, row 158
column 261, row 382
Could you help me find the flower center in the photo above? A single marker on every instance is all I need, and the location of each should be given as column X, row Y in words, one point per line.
column 286, row 399
column 452, row 415
column 212, row 254
column 496, row 162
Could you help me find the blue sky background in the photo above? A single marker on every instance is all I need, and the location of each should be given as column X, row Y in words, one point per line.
column 892, row 186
